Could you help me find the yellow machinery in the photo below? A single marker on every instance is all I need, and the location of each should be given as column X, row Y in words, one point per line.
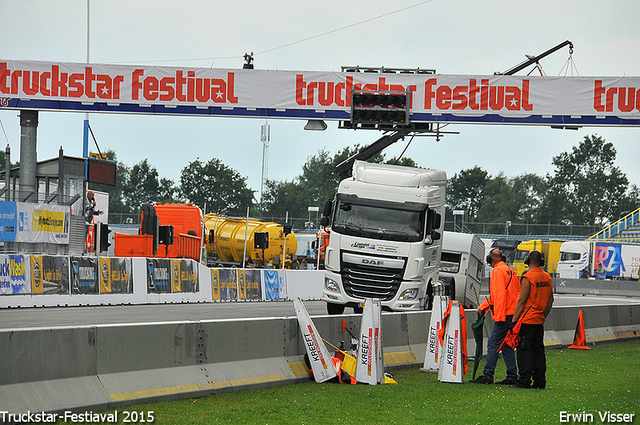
column 228, row 242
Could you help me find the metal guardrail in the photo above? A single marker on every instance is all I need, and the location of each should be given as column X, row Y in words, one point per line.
column 630, row 220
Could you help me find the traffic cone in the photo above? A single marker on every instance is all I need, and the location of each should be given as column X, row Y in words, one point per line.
column 580, row 339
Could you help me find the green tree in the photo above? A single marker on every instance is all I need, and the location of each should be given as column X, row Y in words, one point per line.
column 466, row 190
column 404, row 161
column 317, row 183
column 221, row 188
column 168, row 191
column 497, row 206
column 280, row 198
column 586, row 187
column 528, row 192
column 143, row 186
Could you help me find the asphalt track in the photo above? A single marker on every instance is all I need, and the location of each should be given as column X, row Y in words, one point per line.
column 52, row 317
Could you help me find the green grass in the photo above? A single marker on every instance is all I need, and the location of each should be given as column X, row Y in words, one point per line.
column 605, row 378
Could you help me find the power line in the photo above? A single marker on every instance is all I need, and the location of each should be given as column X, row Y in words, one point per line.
column 298, row 41
column 344, row 28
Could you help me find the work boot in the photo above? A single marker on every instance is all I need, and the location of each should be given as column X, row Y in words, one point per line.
column 519, row 384
column 482, row 380
column 507, row 381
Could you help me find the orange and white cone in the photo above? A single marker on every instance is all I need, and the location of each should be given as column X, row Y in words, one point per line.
column 580, row 339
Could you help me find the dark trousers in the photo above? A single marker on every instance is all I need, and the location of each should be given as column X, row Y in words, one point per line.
column 498, row 333
column 532, row 362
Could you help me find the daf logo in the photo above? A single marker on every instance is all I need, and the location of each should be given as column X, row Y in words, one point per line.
column 373, row 262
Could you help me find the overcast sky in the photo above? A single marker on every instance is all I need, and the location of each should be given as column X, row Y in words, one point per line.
column 451, row 36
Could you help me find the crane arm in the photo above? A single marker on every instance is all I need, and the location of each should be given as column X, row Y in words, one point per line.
column 533, row 59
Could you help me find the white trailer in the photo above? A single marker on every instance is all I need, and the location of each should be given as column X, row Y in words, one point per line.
column 604, row 260
column 462, row 263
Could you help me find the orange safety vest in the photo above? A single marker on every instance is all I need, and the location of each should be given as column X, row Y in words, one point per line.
column 504, row 288
column 539, row 296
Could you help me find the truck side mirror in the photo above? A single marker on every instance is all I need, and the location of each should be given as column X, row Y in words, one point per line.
column 437, row 221
column 326, row 209
column 435, row 235
column 324, row 221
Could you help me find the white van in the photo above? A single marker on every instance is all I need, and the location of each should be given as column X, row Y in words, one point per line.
column 462, row 265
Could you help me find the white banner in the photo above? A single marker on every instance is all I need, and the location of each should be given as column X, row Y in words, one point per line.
column 34, row 223
column 291, row 94
column 15, row 274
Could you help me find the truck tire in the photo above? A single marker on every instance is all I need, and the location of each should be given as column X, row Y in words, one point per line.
column 450, row 286
column 428, row 297
column 335, row 308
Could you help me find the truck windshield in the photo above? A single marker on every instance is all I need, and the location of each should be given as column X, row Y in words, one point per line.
column 569, row 256
column 450, row 262
column 521, row 255
column 379, row 222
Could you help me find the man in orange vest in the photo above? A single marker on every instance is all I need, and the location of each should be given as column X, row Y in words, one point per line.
column 537, row 292
column 503, row 293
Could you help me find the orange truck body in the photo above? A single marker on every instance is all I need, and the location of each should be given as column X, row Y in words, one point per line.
column 186, row 220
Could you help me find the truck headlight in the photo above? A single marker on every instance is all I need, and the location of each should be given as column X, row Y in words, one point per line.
column 331, row 285
column 409, row 294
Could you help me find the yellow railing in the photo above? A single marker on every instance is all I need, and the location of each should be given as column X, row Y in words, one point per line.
column 624, row 223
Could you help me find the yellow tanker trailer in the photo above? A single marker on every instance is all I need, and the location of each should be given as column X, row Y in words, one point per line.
column 226, row 237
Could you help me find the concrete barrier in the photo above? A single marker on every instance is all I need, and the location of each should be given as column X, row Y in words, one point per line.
column 108, row 366
column 626, row 288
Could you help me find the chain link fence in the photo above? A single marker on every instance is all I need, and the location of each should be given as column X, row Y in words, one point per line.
column 311, row 224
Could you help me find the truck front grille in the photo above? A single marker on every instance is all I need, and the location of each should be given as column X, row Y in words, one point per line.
column 371, row 282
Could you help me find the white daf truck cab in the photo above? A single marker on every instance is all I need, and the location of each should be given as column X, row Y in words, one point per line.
column 386, row 226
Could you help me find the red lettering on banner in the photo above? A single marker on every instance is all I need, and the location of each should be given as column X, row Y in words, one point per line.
column 169, row 89
column 473, row 91
column 325, row 93
column 150, row 90
column 203, row 94
column 180, row 80
column 330, row 93
column 191, row 76
column 167, row 92
column 74, row 83
column 231, row 78
column 4, row 77
column 43, row 83
column 496, row 98
column 59, row 84
column 628, row 98
column 14, row 81
column 491, row 98
column 88, row 82
column 30, row 85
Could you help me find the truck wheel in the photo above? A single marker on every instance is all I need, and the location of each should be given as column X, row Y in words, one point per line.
column 449, row 286
column 335, row 308
column 428, row 297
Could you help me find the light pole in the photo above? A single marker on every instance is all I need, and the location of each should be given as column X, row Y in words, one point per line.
column 460, row 213
column 315, row 209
